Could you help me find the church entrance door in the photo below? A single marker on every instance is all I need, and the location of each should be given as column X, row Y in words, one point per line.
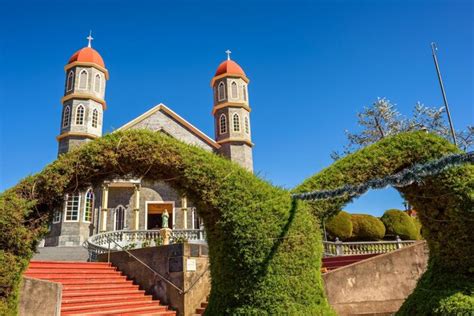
column 154, row 211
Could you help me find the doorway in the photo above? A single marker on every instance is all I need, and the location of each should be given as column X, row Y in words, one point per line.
column 154, row 211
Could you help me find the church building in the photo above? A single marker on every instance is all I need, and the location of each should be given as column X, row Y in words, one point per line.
column 138, row 204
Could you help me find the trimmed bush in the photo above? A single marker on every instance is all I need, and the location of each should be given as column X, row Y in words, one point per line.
column 419, row 229
column 444, row 204
column 366, row 227
column 264, row 248
column 399, row 223
column 339, row 226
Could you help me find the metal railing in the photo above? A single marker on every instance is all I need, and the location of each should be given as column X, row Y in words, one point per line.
column 339, row 248
column 132, row 239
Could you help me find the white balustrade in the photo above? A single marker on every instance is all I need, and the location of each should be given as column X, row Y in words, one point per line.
column 339, row 248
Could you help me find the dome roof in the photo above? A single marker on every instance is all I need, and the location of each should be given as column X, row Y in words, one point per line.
column 87, row 55
column 229, row 67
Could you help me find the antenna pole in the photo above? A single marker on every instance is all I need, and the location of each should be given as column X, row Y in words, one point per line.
column 434, row 48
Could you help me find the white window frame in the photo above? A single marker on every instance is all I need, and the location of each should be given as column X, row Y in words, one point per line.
column 87, row 80
column 66, row 118
column 78, row 209
column 124, row 216
column 70, row 81
column 238, row 122
column 95, row 118
column 57, row 217
column 77, row 114
column 246, row 125
column 232, row 85
column 221, row 91
column 95, row 83
column 222, row 130
column 91, row 206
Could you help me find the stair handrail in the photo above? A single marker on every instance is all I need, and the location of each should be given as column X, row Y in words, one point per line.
column 180, row 291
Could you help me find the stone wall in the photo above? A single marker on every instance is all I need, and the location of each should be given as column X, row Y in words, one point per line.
column 185, row 265
column 39, row 297
column 376, row 285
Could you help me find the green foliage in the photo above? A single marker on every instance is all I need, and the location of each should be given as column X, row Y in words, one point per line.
column 444, row 204
column 366, row 227
column 399, row 223
column 418, row 227
column 340, row 226
column 265, row 250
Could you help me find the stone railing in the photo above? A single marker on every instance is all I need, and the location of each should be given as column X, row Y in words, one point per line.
column 133, row 239
column 339, row 248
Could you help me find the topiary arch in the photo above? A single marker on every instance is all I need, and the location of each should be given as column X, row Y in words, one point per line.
column 265, row 248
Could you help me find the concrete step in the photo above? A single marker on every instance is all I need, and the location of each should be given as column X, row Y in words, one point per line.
column 101, row 286
column 111, row 292
column 111, row 307
column 106, row 270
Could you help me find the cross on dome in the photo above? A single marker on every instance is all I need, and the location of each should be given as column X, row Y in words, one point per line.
column 228, row 52
column 90, row 38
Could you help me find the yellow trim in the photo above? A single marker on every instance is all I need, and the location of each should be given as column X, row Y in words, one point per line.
column 230, row 105
column 242, row 140
column 92, row 136
column 84, row 96
column 78, row 63
column 228, row 74
column 176, row 117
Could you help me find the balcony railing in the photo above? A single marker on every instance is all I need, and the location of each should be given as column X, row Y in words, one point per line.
column 339, row 248
column 131, row 239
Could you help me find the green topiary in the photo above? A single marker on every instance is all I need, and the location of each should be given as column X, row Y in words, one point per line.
column 444, row 205
column 264, row 248
column 339, row 226
column 366, row 227
column 399, row 223
column 419, row 229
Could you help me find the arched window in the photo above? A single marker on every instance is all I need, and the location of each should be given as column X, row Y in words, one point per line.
column 119, row 218
column 66, row 116
column 223, row 124
column 72, row 207
column 236, row 121
column 221, row 91
column 70, row 81
column 97, row 83
column 83, row 76
column 234, row 92
column 244, row 92
column 80, row 115
column 247, row 126
column 95, row 118
column 88, row 205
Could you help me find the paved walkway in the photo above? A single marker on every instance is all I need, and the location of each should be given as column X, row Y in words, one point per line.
column 61, row 254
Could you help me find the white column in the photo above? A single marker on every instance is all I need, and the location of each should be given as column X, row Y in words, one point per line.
column 184, row 208
column 137, row 207
column 105, row 200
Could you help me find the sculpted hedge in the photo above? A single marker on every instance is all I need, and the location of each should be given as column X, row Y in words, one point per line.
column 265, row 248
column 399, row 223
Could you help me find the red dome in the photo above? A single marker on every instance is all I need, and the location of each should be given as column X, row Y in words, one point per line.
column 87, row 55
column 229, row 67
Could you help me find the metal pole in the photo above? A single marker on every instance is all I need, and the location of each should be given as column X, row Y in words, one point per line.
column 434, row 48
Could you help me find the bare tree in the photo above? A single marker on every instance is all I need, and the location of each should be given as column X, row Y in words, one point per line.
column 382, row 119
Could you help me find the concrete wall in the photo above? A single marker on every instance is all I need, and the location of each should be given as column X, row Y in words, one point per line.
column 376, row 285
column 172, row 262
column 40, row 297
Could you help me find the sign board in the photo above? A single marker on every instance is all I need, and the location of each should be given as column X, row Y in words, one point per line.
column 191, row 265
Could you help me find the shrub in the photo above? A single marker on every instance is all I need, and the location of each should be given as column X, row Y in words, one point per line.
column 399, row 223
column 419, row 229
column 339, row 226
column 366, row 227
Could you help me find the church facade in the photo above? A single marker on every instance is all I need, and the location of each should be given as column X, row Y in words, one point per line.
column 138, row 204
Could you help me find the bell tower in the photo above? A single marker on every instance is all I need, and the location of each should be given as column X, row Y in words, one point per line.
column 231, row 113
column 83, row 101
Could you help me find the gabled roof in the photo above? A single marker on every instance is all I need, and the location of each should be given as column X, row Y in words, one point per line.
column 163, row 108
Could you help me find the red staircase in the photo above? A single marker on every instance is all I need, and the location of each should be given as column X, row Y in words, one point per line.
column 93, row 288
column 331, row 263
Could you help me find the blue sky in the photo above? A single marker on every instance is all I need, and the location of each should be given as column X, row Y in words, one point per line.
column 312, row 64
